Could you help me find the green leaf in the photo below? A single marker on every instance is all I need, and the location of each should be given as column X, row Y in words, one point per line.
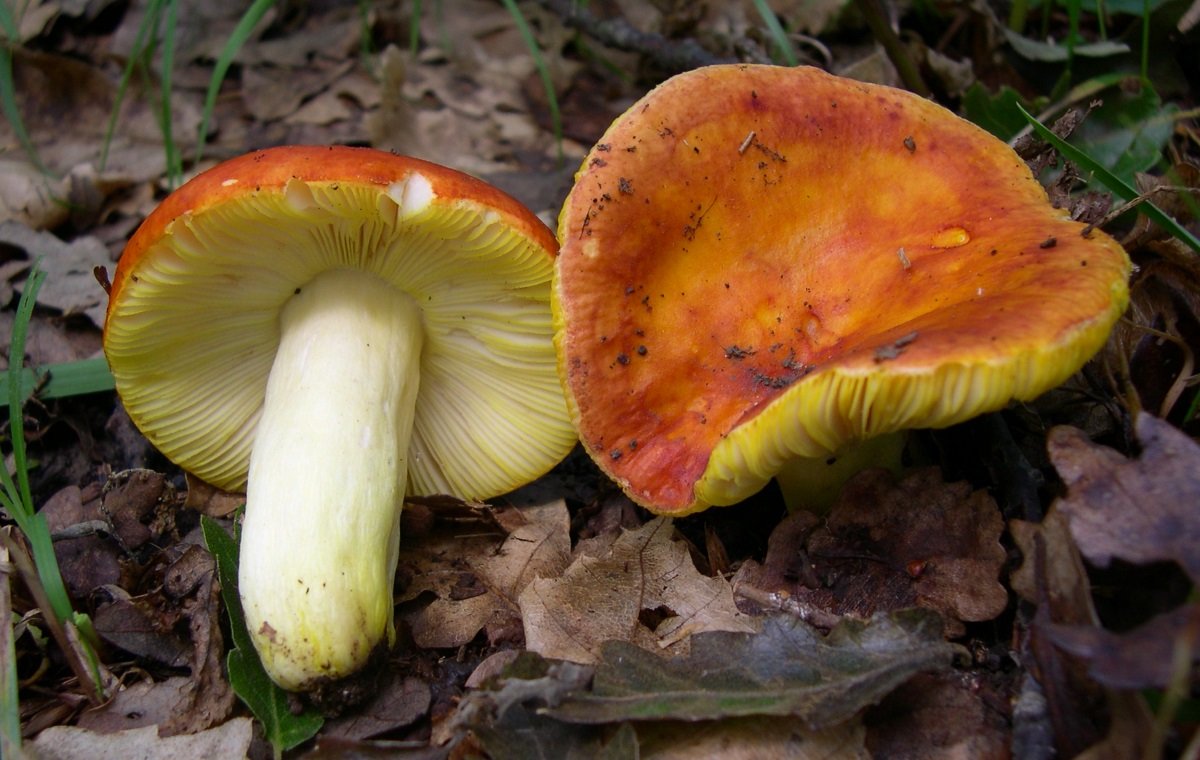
column 1053, row 52
column 269, row 703
column 997, row 113
column 1133, row 7
column 1118, row 186
column 62, row 380
column 789, row 669
column 1128, row 131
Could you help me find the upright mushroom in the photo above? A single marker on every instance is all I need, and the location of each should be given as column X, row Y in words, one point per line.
column 764, row 264
column 330, row 328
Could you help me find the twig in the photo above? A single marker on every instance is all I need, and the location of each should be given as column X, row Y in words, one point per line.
column 20, row 559
column 1130, row 204
column 672, row 55
column 897, row 53
column 786, row 603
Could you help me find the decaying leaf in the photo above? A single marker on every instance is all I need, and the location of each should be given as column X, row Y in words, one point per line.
column 889, row 545
column 643, row 588
column 507, row 720
column 500, row 708
column 70, row 283
column 939, row 542
column 230, row 739
column 1051, row 570
column 477, row 579
column 1140, row 510
column 210, row 500
column 940, row 716
column 1146, row 657
column 86, row 559
column 399, row 702
column 750, row 738
column 184, row 601
column 790, row 668
column 1052, row 576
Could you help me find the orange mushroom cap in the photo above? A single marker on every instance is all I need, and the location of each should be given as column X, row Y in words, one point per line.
column 761, row 263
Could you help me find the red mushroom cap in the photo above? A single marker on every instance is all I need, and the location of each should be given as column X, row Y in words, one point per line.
column 759, row 263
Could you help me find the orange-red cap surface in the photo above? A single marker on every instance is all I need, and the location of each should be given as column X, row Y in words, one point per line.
column 760, row 263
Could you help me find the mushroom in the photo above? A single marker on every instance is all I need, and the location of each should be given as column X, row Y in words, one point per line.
column 762, row 266
column 330, row 329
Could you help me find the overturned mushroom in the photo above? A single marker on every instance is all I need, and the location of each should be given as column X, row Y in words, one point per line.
column 331, row 328
column 765, row 265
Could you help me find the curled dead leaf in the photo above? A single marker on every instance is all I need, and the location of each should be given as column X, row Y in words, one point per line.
column 1139, row 510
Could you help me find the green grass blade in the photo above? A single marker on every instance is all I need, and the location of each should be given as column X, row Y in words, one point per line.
column 8, row 88
column 63, row 380
column 10, row 706
column 777, row 33
column 174, row 161
column 240, row 34
column 16, row 360
column 19, row 501
column 414, row 29
column 543, row 71
column 139, row 51
column 1119, row 187
column 365, row 44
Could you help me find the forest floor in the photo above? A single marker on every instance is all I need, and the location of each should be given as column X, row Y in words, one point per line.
column 1025, row 587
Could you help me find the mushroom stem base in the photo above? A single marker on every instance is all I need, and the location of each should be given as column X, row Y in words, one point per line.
column 813, row 484
column 327, row 476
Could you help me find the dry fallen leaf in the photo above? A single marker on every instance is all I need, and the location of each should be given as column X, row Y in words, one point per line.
column 70, row 284
column 1053, row 577
column 177, row 623
column 29, row 197
column 643, row 588
column 1143, row 658
column 1051, row 570
column 1139, row 510
column 230, row 739
column 209, row 500
column 477, row 579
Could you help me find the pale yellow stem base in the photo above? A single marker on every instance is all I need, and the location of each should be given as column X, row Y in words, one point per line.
column 814, row 484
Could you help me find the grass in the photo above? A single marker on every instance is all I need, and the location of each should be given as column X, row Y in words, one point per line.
column 62, row 380
column 1118, row 186
column 42, row 577
column 8, row 90
column 543, row 70
column 782, row 42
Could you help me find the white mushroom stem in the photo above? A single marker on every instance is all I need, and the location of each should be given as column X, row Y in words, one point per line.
column 327, row 475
